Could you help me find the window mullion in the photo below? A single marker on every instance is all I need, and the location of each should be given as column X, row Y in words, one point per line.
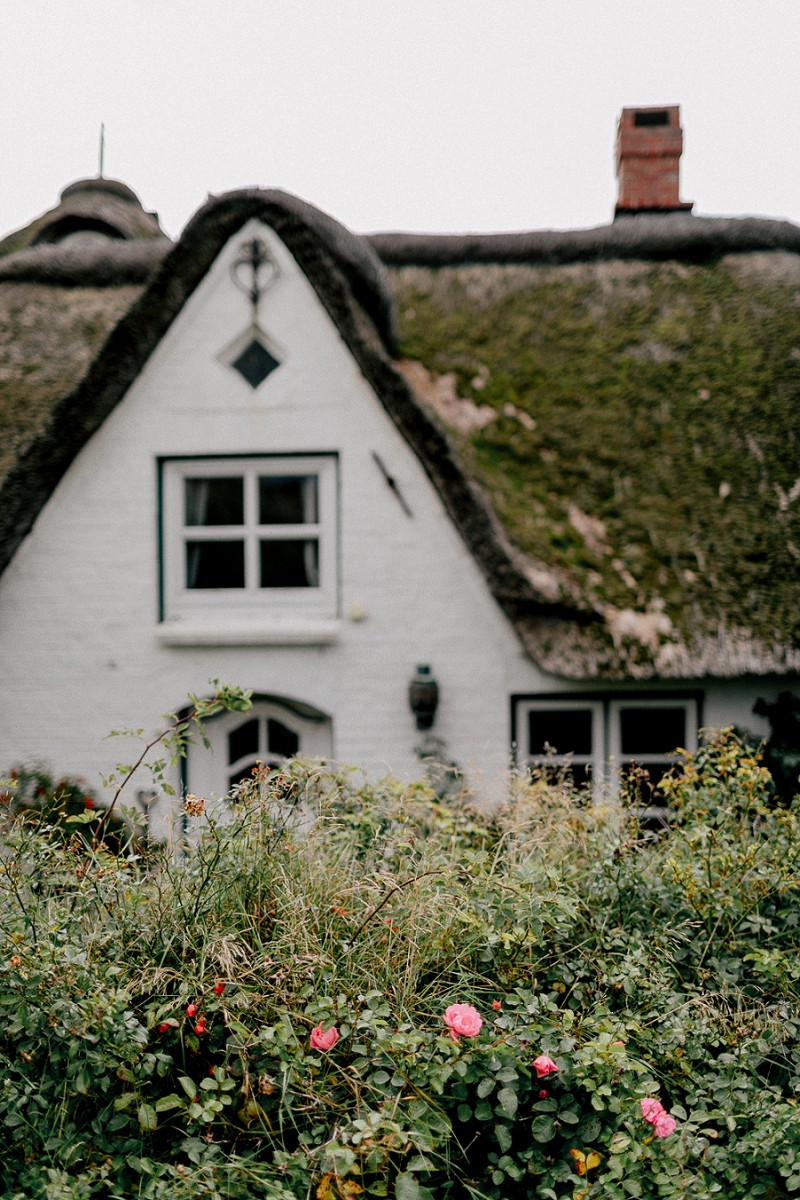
column 251, row 531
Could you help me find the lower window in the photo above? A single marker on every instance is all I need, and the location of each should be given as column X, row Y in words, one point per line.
column 600, row 740
column 643, row 736
column 273, row 730
column 564, row 737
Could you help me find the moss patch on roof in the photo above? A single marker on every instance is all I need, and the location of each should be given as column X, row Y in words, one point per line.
column 48, row 338
column 645, row 443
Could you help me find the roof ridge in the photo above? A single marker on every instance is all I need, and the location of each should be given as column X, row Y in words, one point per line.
column 656, row 237
column 107, row 264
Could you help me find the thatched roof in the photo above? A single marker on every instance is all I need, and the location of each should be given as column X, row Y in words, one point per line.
column 103, row 206
column 636, row 427
column 610, row 417
column 65, row 281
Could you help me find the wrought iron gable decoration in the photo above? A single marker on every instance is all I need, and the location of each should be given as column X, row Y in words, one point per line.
column 253, row 271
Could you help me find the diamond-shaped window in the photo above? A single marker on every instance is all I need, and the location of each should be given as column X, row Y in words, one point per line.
column 255, row 363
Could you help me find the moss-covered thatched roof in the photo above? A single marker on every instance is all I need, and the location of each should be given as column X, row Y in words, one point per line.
column 611, row 417
column 636, row 426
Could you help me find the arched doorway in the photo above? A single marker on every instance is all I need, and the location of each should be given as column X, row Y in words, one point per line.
column 274, row 729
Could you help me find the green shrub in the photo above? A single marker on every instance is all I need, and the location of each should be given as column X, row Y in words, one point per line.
column 156, row 1009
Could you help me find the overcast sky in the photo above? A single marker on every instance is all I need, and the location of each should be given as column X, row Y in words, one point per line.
column 411, row 114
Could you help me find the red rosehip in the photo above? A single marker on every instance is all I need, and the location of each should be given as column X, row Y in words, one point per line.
column 88, row 802
column 163, row 1027
column 219, row 988
column 497, row 1006
column 191, row 1010
column 543, row 1094
column 200, row 1028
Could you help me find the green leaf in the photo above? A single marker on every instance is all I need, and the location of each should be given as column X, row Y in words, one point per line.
column 464, row 1112
column 124, row 1101
column 81, row 1082
column 147, row 1117
column 406, row 1187
column 503, row 1135
column 589, row 1129
column 189, row 1086
column 543, row 1129
column 485, row 1087
column 168, row 1102
column 507, row 1099
column 569, row 1117
column 236, row 1027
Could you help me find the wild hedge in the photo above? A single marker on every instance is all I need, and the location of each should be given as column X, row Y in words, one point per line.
column 338, row 987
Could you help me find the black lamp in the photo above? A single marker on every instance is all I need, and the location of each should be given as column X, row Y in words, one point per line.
column 423, row 696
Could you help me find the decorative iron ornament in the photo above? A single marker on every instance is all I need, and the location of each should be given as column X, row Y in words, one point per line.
column 254, row 270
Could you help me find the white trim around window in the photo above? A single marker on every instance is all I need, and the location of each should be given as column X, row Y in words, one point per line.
column 647, row 733
column 249, row 540
column 601, row 736
column 543, row 723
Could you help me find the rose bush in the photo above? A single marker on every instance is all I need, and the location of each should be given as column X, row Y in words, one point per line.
column 409, row 999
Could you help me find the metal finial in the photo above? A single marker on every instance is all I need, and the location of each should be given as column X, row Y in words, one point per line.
column 255, row 259
column 102, row 147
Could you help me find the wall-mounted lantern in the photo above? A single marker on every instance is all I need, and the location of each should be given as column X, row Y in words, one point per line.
column 423, row 696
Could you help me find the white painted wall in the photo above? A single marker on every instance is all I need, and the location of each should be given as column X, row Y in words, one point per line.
column 79, row 604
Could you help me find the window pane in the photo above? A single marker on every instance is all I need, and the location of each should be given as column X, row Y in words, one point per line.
column 243, row 740
column 652, row 730
column 287, row 500
column 565, row 731
column 215, row 501
column 280, row 739
column 215, row 564
column 291, row 563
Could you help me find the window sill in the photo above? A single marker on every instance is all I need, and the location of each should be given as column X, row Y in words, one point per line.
column 264, row 633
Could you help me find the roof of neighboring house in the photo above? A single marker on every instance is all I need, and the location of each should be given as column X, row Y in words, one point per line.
column 609, row 416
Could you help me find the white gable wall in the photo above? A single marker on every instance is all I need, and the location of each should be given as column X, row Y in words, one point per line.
column 79, row 603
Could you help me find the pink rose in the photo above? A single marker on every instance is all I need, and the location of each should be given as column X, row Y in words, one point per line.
column 324, row 1039
column 665, row 1125
column 651, row 1109
column 544, row 1066
column 463, row 1020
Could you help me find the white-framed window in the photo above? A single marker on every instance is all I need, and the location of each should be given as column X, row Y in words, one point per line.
column 564, row 735
column 645, row 734
column 249, row 536
column 273, row 730
column 599, row 739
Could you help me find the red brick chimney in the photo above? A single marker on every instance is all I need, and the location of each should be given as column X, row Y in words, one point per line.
column 649, row 147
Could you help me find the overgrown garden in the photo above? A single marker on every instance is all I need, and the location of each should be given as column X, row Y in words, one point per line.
column 338, row 988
